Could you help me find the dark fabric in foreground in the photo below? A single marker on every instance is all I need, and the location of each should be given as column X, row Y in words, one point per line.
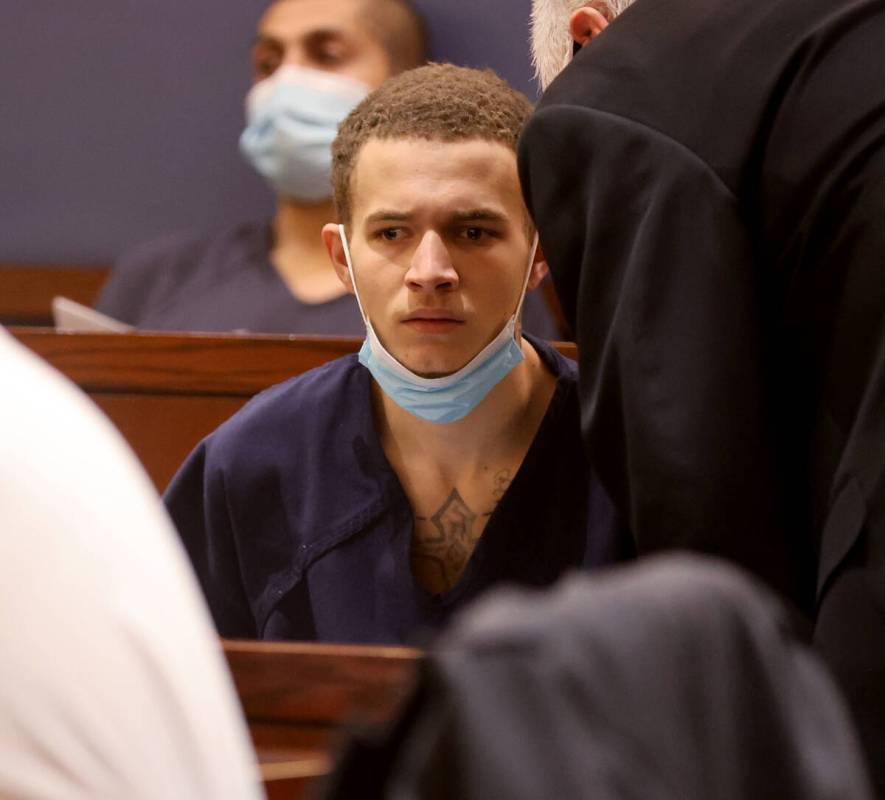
column 677, row 679
column 298, row 527
column 708, row 178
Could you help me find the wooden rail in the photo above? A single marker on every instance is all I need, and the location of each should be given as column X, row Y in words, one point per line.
column 26, row 290
column 298, row 698
column 226, row 365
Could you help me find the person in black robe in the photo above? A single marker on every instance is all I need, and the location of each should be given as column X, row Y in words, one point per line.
column 708, row 179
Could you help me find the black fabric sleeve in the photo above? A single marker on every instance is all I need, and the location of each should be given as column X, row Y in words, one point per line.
column 197, row 502
column 656, row 274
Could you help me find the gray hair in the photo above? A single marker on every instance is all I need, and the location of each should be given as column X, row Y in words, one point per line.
column 551, row 40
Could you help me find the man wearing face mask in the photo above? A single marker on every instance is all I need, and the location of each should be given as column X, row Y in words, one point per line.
column 313, row 60
column 371, row 498
column 708, row 179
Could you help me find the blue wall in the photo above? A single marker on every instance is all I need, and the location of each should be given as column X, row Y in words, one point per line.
column 121, row 117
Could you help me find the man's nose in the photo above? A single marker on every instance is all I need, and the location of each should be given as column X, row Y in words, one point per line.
column 297, row 53
column 431, row 267
column 294, row 57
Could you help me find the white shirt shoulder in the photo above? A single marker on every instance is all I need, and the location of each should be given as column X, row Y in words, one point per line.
column 112, row 682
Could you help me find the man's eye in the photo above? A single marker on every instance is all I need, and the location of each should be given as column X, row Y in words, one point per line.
column 330, row 55
column 391, row 234
column 266, row 67
column 475, row 234
column 266, row 57
column 326, row 51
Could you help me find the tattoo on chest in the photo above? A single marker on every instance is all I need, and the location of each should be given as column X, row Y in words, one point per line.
column 502, row 481
column 452, row 523
column 444, row 542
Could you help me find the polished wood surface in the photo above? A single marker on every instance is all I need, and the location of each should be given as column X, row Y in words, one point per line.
column 318, row 685
column 162, row 429
column 299, row 698
column 26, row 290
column 182, row 363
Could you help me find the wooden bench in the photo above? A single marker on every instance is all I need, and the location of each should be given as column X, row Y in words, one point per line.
column 165, row 392
column 26, row 290
column 299, row 698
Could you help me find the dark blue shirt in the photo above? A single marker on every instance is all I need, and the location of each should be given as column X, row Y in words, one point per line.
column 189, row 282
column 298, row 527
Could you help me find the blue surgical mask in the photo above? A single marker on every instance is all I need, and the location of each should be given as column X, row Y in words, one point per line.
column 451, row 397
column 292, row 119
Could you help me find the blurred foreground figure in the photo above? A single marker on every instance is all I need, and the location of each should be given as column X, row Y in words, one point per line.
column 112, row 684
column 677, row 678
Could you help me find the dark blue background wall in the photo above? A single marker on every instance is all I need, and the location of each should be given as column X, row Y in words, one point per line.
column 120, row 118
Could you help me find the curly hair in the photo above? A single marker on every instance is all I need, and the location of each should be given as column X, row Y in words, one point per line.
column 436, row 102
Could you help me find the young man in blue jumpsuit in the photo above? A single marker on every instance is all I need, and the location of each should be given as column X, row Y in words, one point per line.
column 368, row 499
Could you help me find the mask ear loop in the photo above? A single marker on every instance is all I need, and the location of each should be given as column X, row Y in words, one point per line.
column 528, row 273
column 343, row 236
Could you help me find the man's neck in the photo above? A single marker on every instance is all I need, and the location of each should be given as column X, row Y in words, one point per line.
column 500, row 428
column 298, row 254
column 455, row 474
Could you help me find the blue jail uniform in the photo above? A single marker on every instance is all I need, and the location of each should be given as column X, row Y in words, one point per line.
column 299, row 529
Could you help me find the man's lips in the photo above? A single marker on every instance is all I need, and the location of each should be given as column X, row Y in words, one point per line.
column 432, row 321
column 439, row 314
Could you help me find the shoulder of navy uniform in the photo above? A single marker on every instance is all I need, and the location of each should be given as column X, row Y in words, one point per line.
column 302, row 406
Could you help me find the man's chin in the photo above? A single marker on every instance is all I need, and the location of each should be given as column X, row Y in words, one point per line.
column 431, row 375
column 433, row 365
column 432, row 369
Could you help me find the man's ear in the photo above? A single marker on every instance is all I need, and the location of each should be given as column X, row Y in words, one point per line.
column 538, row 271
column 335, row 249
column 588, row 22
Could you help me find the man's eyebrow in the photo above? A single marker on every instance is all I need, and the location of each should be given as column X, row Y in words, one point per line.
column 329, row 32
column 479, row 215
column 482, row 214
column 387, row 215
column 266, row 39
column 318, row 34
